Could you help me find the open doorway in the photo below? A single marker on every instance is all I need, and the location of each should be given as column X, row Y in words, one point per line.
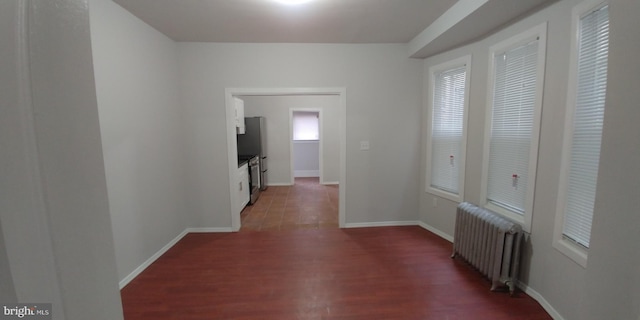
column 295, row 198
column 338, row 127
column 306, row 144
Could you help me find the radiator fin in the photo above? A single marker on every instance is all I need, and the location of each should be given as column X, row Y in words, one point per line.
column 488, row 242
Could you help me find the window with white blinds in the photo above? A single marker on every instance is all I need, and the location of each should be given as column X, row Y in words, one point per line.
column 512, row 126
column 447, row 130
column 514, row 119
column 586, row 109
column 306, row 125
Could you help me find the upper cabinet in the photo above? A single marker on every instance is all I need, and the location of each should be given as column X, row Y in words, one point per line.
column 239, row 107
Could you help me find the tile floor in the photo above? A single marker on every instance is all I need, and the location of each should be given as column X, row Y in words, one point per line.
column 305, row 205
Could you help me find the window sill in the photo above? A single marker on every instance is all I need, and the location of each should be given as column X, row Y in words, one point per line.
column 572, row 251
column 444, row 194
column 306, row 141
column 510, row 215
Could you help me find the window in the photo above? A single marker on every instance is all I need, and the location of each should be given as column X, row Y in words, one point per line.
column 513, row 125
column 583, row 130
column 305, row 125
column 447, row 134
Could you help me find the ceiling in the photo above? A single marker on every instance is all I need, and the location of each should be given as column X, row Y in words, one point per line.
column 327, row 21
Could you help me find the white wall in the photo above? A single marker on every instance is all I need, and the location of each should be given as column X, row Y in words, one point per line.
column 612, row 287
column 53, row 204
column 8, row 90
column 7, row 290
column 275, row 109
column 604, row 289
column 383, row 106
column 141, row 124
column 306, row 158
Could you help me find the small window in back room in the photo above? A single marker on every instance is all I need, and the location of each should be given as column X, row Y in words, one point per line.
column 305, row 125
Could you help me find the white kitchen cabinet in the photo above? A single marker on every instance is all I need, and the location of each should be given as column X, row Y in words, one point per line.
column 243, row 186
column 239, row 108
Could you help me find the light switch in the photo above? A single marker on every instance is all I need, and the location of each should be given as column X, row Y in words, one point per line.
column 364, row 145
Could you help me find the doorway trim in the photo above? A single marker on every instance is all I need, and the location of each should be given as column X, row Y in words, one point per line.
column 320, row 142
column 232, row 147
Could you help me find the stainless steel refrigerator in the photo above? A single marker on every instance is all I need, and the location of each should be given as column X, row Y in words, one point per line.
column 254, row 142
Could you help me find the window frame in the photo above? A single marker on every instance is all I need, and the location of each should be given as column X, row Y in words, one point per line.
column 464, row 61
column 537, row 32
column 575, row 252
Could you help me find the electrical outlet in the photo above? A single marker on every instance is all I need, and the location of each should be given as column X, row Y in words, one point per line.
column 364, row 145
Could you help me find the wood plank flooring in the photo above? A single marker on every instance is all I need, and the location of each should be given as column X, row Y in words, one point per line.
column 328, row 273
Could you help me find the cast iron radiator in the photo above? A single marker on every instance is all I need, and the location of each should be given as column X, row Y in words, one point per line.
column 490, row 243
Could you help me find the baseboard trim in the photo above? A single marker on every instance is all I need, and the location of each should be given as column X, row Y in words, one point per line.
column 166, row 248
column 151, row 260
column 209, row 230
column 279, row 184
column 541, row 300
column 380, row 224
column 306, row 173
column 436, row 231
column 330, row 183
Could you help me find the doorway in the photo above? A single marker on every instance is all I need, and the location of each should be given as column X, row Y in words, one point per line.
column 306, row 144
column 340, row 93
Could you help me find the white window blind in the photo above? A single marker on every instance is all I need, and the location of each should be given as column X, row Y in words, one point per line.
column 306, row 125
column 588, row 115
column 513, row 112
column 447, row 129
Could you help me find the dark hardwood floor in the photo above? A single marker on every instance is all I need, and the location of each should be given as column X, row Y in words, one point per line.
column 327, row 273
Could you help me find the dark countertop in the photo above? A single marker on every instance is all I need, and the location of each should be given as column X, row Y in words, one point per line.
column 242, row 159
